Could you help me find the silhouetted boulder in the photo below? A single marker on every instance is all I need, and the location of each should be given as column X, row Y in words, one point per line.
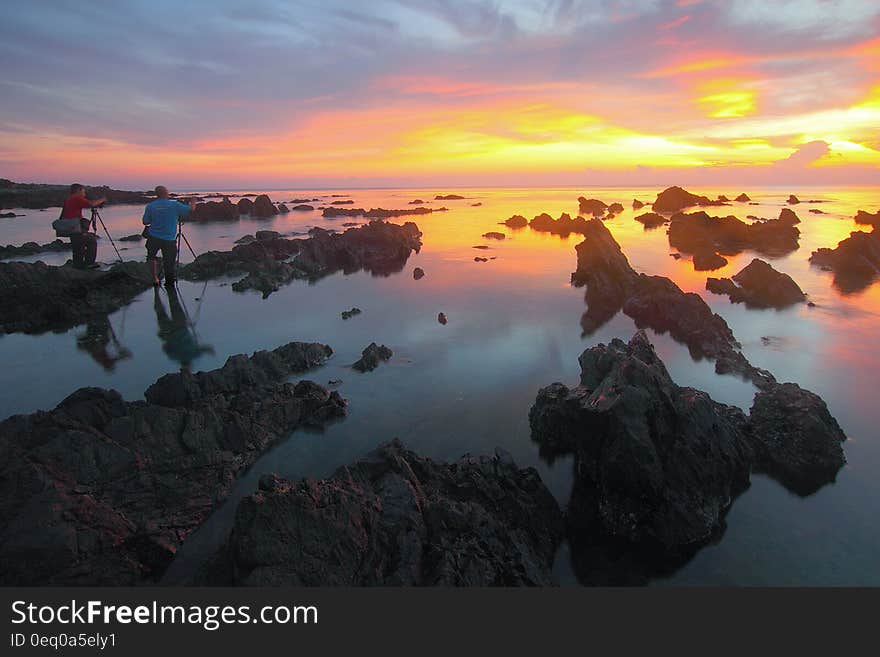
column 376, row 213
column 396, row 519
column 263, row 207
column 743, row 198
column 563, row 226
column 283, row 209
column 865, row 218
column 32, row 248
column 441, row 317
column 637, row 204
column 418, row 201
column 708, row 261
column 418, row 273
column 494, row 236
column 348, row 314
column 302, row 208
column 516, row 221
column 698, row 232
column 759, row 285
column 793, row 200
column 371, row 357
column 245, row 206
column 215, row 211
column 591, row 206
column 673, row 199
column 788, row 216
column 723, row 198
column 652, row 219
column 615, row 208
column 855, row 262
column 448, row 197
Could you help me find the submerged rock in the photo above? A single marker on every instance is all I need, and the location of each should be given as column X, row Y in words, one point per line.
column 759, row 285
column 674, row 199
column 348, row 314
column 493, row 236
column 651, row 219
column 371, row 357
column 418, row 201
column 137, row 237
column 448, row 197
column 591, row 206
column 102, row 491
column 283, row 209
column 376, row 213
column 302, row 207
column 855, row 262
column 615, row 208
column 396, row 519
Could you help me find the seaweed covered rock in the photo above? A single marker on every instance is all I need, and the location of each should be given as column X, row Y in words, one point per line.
column 759, row 285
column 395, row 518
column 102, row 491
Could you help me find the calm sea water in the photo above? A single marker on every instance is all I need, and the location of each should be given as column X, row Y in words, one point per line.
column 514, row 326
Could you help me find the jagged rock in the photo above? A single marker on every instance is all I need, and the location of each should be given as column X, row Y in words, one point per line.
column 494, row 236
column 448, row 197
column 40, row 196
column 864, row 218
column 263, row 207
column 101, row 491
column 723, row 198
column 302, row 208
column 442, row 318
column 743, row 198
column 245, row 239
column 591, row 206
column 216, row 211
column 615, row 208
column 245, row 206
column 674, row 199
column 793, row 200
column 516, row 221
column 651, row 219
column 263, row 235
column 396, row 519
column 708, row 261
column 283, row 209
column 371, row 357
column 788, row 216
column 855, row 262
column 376, row 213
column 418, row 273
column 563, row 226
column 637, row 204
column 758, row 284
column 36, row 297
column 32, row 248
column 816, row 211
column 697, row 231
column 418, row 201
column 348, row 314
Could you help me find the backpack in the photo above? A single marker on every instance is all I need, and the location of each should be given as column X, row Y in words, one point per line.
column 66, row 227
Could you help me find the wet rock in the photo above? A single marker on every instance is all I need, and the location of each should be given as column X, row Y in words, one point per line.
column 245, row 206
column 371, row 357
column 591, row 206
column 479, row 259
column 637, row 204
column 442, row 318
column 480, row 246
column 816, row 211
column 494, row 236
column 708, row 261
column 864, row 218
column 788, row 216
column 376, row 213
column 674, row 199
column 345, row 202
column 476, row 205
column 418, row 273
column 396, row 519
column 516, row 221
column 103, row 492
column 793, row 200
column 137, row 237
column 759, row 285
column 283, row 209
column 795, row 438
column 855, row 261
column 448, row 197
column 699, row 232
column 32, row 248
column 743, row 198
column 615, row 208
column 563, row 226
column 418, row 201
column 40, row 196
column 302, row 208
column 36, row 297
column 651, row 219
column 348, row 314
column 245, row 239
column 263, row 207
column 263, row 235
column 216, row 211
column 9, row 215
column 723, row 198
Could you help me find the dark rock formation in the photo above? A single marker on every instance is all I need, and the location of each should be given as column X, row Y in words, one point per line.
column 759, row 285
column 615, row 208
column 864, row 218
column 396, row 519
column 302, row 208
column 345, row 202
column 371, row 357
column 637, row 204
column 723, row 198
column 418, row 201
column 708, row 261
column 36, row 297
column 441, row 317
column 855, row 262
column 793, row 200
column 698, row 232
column 418, row 273
column 348, row 314
column 137, row 237
column 563, row 226
column 788, row 216
column 493, row 236
column 32, row 248
column 817, row 211
column 658, row 465
column 651, row 220
column 378, row 247
column 476, row 205
column 102, row 492
column 264, row 235
column 9, row 215
column 479, row 259
column 591, row 206
column 283, row 209
column 39, row 196
column 215, row 211
column 674, row 199
column 743, row 198
column 376, row 213
column 448, row 197
column 516, row 221
column 263, row 207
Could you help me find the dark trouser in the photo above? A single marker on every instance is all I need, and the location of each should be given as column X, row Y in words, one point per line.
column 169, row 255
column 85, row 249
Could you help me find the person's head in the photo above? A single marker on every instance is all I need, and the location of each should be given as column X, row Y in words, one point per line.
column 161, row 191
column 77, row 190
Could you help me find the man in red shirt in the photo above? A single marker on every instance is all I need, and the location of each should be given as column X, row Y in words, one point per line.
column 84, row 244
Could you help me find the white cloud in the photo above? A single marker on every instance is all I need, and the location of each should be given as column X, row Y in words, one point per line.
column 825, row 19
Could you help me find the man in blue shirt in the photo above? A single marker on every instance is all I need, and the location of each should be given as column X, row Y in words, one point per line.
column 161, row 217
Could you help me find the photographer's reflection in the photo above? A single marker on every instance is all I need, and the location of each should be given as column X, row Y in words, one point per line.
column 179, row 339
column 101, row 343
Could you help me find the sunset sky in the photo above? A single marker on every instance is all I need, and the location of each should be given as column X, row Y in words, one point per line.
column 424, row 92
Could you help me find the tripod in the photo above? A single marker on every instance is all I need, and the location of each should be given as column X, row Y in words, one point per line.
column 97, row 215
column 179, row 236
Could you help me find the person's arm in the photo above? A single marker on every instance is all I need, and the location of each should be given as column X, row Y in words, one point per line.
column 98, row 202
column 148, row 218
column 184, row 210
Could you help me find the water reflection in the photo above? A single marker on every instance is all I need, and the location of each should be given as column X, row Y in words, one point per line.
column 99, row 341
column 180, row 342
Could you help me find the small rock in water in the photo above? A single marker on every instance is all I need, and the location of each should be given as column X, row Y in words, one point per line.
column 481, row 246
column 247, row 239
column 418, row 273
column 442, row 318
column 132, row 238
column 493, row 236
column 334, row 382
column 371, row 357
column 479, row 259
column 348, row 314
